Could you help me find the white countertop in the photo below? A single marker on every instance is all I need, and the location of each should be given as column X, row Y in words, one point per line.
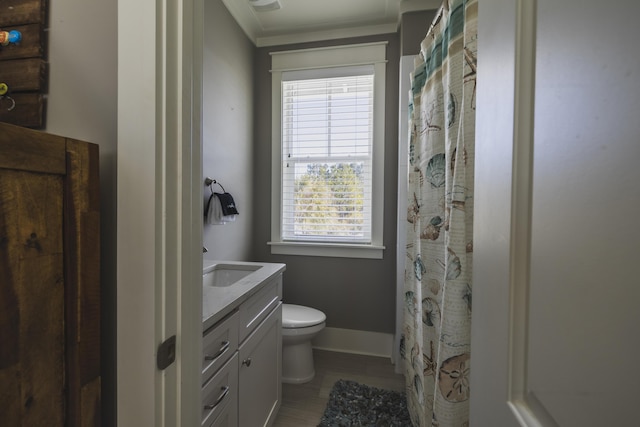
column 217, row 302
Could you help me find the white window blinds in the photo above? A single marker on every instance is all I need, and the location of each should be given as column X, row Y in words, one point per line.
column 327, row 136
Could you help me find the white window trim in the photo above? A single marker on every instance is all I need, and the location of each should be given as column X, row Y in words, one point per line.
column 329, row 57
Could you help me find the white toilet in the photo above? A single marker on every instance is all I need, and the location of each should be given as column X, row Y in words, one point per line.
column 299, row 325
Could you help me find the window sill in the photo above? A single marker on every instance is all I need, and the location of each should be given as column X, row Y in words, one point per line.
column 327, row 250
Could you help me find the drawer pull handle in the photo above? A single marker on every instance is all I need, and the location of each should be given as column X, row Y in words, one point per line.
column 247, row 362
column 223, row 348
column 225, row 391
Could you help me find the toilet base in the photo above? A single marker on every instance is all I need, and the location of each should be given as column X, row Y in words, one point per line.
column 297, row 363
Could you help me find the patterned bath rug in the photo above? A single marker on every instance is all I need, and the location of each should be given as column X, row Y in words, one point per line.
column 357, row 405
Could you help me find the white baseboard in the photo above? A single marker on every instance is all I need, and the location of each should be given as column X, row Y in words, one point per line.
column 354, row 341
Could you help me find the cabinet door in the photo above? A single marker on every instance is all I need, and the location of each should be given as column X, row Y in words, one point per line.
column 49, row 280
column 260, row 372
column 31, row 297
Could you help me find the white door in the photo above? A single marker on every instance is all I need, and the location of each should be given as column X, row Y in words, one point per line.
column 555, row 336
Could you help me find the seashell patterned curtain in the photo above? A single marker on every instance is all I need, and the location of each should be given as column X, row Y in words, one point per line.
column 435, row 344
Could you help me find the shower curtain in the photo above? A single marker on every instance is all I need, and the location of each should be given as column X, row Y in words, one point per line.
column 435, row 344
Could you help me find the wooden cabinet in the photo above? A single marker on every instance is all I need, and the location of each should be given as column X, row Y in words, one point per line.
column 49, row 280
column 242, row 362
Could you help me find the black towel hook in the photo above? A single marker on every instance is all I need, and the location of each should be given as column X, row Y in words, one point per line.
column 209, row 181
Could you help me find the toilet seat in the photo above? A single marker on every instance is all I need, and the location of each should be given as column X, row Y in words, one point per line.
column 298, row 316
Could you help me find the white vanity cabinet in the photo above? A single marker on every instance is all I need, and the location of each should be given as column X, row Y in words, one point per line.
column 242, row 362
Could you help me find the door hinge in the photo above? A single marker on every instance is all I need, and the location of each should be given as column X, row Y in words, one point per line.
column 166, row 353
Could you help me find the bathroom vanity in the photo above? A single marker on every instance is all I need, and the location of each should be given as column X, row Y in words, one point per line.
column 242, row 343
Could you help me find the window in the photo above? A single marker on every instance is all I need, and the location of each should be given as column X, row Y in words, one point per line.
column 327, row 133
column 328, row 148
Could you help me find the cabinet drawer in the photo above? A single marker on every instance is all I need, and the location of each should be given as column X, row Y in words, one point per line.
column 228, row 417
column 258, row 306
column 218, row 345
column 220, row 394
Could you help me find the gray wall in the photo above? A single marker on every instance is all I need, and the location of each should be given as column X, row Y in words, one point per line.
column 82, row 104
column 413, row 29
column 228, row 129
column 354, row 293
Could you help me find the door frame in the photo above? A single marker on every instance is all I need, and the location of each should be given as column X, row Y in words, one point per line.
column 159, row 212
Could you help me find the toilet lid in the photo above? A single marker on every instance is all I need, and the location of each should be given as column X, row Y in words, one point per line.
column 298, row 316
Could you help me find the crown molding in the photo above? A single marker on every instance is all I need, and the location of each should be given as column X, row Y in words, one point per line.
column 313, row 36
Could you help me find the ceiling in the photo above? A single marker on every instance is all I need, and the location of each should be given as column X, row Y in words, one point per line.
column 312, row 20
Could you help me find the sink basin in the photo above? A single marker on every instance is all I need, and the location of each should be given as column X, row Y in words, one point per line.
column 223, row 275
